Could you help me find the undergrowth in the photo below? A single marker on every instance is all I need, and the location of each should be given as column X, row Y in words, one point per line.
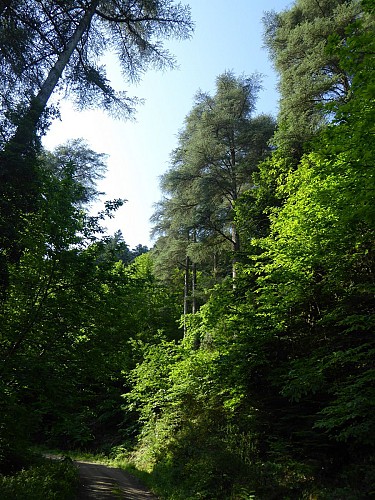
column 50, row 479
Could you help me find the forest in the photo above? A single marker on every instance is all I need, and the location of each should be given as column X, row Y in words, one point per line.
column 235, row 358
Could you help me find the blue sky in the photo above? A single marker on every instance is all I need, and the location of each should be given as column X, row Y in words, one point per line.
column 228, row 36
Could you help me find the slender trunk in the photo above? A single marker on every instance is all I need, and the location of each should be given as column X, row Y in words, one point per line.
column 236, row 249
column 215, row 267
column 193, row 287
column 235, row 235
column 186, row 290
column 194, row 281
column 194, row 301
column 25, row 132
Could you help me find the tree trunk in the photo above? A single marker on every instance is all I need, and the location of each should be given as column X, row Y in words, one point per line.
column 194, row 280
column 186, row 290
column 19, row 188
column 236, row 249
column 193, row 287
column 25, row 133
column 215, row 267
column 235, row 235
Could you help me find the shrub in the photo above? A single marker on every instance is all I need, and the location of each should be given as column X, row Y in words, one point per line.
column 51, row 480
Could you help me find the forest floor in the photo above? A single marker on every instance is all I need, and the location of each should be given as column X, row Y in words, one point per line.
column 109, row 483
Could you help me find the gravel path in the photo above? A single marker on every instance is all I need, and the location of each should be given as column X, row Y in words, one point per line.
column 109, row 483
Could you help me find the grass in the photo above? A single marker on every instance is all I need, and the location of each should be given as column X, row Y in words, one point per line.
column 117, row 458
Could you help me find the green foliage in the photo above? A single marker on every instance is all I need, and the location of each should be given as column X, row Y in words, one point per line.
column 87, row 166
column 53, row 480
column 176, row 397
column 270, row 392
column 71, row 306
column 310, row 76
column 321, row 254
column 218, row 154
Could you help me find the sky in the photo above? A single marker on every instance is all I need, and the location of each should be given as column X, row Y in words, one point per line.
column 227, row 37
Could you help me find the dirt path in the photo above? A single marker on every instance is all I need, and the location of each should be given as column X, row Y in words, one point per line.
column 108, row 483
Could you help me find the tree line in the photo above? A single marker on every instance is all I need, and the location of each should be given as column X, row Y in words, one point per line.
column 235, row 358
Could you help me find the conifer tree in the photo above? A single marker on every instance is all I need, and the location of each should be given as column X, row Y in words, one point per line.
column 219, row 150
column 310, row 75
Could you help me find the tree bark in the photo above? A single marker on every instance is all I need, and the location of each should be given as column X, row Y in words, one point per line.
column 193, row 288
column 194, row 281
column 186, row 290
column 23, row 137
column 215, row 266
column 236, row 249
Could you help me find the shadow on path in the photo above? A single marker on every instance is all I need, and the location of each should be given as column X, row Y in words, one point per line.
column 103, row 482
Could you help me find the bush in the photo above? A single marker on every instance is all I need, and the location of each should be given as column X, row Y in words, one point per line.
column 51, row 480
